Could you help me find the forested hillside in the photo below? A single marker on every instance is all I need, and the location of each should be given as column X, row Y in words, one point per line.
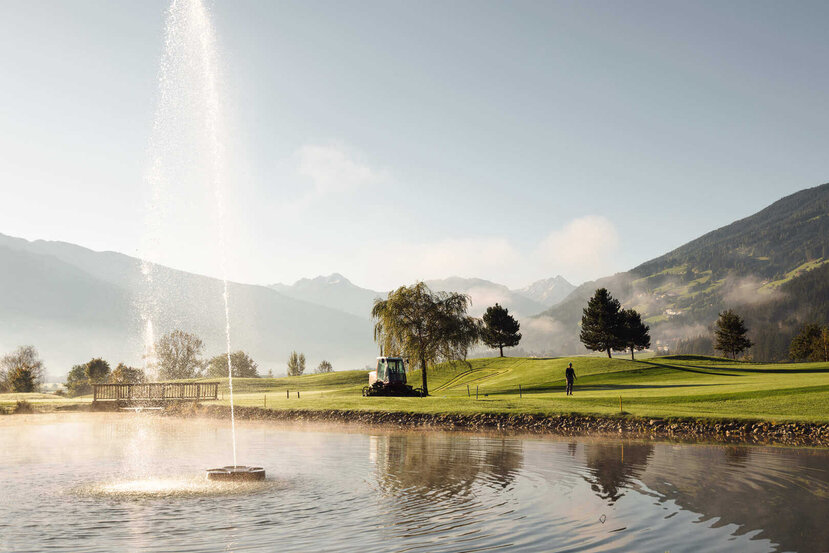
column 769, row 266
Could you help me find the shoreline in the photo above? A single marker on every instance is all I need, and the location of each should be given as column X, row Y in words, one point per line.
column 798, row 434
column 672, row 429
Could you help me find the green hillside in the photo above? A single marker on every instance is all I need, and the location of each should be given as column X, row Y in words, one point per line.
column 772, row 264
column 787, row 234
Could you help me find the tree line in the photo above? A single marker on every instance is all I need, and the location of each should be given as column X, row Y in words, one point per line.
column 605, row 326
column 730, row 337
column 176, row 356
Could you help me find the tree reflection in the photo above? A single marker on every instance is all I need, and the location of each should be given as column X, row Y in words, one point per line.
column 736, row 455
column 614, row 467
column 438, row 466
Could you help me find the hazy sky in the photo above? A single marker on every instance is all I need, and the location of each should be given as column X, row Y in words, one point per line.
column 392, row 141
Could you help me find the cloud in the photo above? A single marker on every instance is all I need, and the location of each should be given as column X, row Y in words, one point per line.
column 584, row 247
column 332, row 170
column 480, row 257
column 747, row 291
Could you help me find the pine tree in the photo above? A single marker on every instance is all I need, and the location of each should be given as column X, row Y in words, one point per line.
column 601, row 323
column 500, row 329
column 635, row 333
column 730, row 334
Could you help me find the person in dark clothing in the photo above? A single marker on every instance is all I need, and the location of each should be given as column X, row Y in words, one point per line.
column 569, row 376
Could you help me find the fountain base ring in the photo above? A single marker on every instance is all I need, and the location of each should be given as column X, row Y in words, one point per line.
column 239, row 473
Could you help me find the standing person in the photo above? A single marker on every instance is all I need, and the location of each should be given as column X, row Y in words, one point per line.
column 569, row 376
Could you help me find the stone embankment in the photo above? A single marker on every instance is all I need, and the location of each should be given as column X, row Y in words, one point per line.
column 728, row 431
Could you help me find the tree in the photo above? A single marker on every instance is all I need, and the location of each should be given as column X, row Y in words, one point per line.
column 97, row 370
column 22, row 380
column 500, row 329
column 634, row 333
column 77, row 381
column 424, row 325
column 243, row 365
column 730, row 334
column 21, row 370
column 124, row 374
column 296, row 364
column 601, row 323
column 178, row 355
column 324, row 367
column 821, row 352
column 811, row 343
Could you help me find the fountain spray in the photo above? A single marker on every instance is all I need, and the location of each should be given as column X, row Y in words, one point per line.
column 189, row 93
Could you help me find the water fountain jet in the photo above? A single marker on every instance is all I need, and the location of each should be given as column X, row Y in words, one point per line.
column 189, row 82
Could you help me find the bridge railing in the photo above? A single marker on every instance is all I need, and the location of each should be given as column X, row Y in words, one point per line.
column 156, row 391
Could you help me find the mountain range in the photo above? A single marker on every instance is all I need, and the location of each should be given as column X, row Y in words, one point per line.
column 338, row 292
column 73, row 303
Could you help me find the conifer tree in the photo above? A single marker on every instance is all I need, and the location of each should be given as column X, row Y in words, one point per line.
column 601, row 323
column 635, row 333
column 730, row 334
column 500, row 329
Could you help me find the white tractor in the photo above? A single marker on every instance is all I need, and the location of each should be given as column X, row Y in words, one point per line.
column 389, row 379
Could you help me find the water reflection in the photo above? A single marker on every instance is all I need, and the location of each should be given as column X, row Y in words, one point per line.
column 396, row 491
column 736, row 455
column 779, row 494
column 614, row 467
column 438, row 466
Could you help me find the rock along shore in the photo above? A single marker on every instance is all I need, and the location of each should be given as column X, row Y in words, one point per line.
column 725, row 431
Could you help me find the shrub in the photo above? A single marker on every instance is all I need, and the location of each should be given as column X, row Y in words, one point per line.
column 23, row 407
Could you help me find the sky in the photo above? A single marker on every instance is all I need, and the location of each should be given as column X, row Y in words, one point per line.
column 396, row 141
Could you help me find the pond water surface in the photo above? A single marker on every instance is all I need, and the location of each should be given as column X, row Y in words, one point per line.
column 87, row 482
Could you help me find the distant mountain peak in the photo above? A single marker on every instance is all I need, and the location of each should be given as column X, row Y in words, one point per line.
column 334, row 279
column 547, row 291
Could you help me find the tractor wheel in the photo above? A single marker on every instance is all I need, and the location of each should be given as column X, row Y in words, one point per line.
column 366, row 390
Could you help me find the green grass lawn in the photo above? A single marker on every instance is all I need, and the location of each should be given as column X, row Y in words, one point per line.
column 676, row 386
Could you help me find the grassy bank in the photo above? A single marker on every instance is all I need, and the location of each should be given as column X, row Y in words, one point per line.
column 690, row 387
column 694, row 387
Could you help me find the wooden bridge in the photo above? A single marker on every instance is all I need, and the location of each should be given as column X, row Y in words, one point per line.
column 156, row 392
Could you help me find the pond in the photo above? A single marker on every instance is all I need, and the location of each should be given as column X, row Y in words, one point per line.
column 135, row 482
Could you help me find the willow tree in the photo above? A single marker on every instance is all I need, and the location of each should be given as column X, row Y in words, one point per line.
column 428, row 326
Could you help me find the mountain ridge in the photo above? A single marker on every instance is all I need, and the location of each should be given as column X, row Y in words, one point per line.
column 739, row 265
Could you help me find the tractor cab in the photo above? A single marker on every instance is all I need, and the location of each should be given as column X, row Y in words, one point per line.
column 390, row 379
column 390, row 370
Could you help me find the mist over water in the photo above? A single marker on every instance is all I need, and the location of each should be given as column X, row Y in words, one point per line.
column 187, row 164
column 95, row 482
